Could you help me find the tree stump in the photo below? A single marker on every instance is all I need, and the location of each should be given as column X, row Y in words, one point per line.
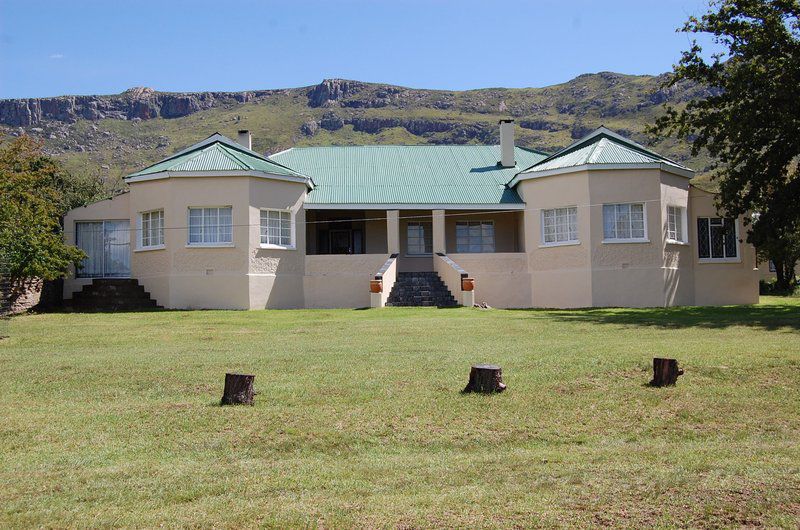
column 238, row 389
column 665, row 372
column 485, row 378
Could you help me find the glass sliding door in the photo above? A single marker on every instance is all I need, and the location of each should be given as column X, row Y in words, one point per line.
column 107, row 247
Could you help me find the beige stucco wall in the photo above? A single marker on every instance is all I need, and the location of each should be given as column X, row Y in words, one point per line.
column 627, row 274
column 501, row 280
column 333, row 281
column 721, row 283
column 117, row 208
column 276, row 275
column 560, row 276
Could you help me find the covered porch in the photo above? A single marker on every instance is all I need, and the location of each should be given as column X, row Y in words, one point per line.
column 475, row 252
column 415, row 235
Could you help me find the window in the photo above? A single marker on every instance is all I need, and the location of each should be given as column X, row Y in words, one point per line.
column 210, row 226
column 772, row 266
column 624, row 222
column 560, row 225
column 475, row 236
column 276, row 228
column 107, row 248
column 717, row 239
column 676, row 221
column 419, row 238
column 151, row 229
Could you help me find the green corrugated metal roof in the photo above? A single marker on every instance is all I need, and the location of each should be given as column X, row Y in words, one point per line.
column 602, row 146
column 400, row 174
column 217, row 153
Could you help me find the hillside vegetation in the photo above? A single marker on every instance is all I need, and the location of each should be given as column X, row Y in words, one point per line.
column 115, row 135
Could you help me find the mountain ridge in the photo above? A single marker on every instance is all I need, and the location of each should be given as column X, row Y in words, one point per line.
column 112, row 135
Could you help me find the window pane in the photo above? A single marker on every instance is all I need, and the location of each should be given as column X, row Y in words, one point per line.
column 703, row 241
column 731, row 244
column 609, row 221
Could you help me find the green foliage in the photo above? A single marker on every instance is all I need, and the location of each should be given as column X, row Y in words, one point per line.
column 749, row 124
column 35, row 192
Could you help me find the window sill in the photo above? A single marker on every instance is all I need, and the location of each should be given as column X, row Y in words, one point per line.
column 675, row 242
column 719, row 260
column 623, row 241
column 266, row 246
column 147, row 249
column 210, row 245
column 560, row 244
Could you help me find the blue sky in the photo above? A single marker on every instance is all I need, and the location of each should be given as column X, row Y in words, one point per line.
column 50, row 48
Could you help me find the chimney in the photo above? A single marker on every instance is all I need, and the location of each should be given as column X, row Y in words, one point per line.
column 507, row 143
column 245, row 139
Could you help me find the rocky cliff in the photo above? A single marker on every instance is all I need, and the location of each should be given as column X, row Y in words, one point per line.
column 119, row 133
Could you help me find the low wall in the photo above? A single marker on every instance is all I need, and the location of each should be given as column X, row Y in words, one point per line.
column 450, row 276
column 501, row 279
column 333, row 281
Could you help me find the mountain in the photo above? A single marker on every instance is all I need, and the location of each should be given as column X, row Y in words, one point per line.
column 118, row 134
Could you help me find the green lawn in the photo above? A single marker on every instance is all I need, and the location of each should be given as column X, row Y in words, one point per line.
column 113, row 419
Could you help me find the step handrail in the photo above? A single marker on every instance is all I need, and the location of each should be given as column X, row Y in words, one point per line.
column 456, row 278
column 381, row 286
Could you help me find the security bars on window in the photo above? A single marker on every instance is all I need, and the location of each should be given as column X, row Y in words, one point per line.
column 716, row 239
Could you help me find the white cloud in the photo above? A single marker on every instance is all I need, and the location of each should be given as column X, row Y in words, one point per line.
column 57, row 56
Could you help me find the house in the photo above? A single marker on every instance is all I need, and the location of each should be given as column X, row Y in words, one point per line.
column 603, row 222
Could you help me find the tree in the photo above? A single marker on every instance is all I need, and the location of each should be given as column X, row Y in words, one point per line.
column 35, row 192
column 750, row 124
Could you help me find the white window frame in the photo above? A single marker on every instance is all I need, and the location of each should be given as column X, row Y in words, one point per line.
column 644, row 239
column 292, row 240
column 737, row 259
column 408, row 248
column 140, row 232
column 221, row 244
column 542, row 239
column 480, row 223
column 683, row 238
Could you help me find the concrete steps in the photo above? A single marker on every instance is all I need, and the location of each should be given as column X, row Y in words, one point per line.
column 118, row 294
column 420, row 289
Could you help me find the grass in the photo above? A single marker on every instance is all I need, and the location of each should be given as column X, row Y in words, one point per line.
column 113, row 419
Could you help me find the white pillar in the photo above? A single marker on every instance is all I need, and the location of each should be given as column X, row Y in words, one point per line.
column 393, row 231
column 439, row 245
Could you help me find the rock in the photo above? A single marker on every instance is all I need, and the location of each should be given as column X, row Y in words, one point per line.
column 331, row 121
column 331, row 91
column 542, row 125
column 309, row 128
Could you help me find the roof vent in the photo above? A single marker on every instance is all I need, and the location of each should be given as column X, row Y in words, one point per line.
column 507, row 143
column 245, row 139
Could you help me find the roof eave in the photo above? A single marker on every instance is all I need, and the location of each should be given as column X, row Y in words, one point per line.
column 666, row 168
column 308, row 181
column 412, row 206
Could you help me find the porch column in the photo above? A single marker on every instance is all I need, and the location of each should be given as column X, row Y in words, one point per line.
column 439, row 245
column 393, row 231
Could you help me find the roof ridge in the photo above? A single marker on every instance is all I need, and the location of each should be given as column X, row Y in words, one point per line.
column 230, row 156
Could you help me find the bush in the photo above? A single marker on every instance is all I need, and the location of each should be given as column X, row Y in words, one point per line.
column 770, row 287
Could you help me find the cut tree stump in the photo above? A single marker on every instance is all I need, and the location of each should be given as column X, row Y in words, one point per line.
column 665, row 372
column 485, row 378
column 238, row 389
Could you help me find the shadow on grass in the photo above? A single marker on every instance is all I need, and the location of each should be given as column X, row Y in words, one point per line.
column 767, row 317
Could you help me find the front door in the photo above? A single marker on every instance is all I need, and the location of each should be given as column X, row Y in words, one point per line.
column 107, row 245
column 341, row 241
